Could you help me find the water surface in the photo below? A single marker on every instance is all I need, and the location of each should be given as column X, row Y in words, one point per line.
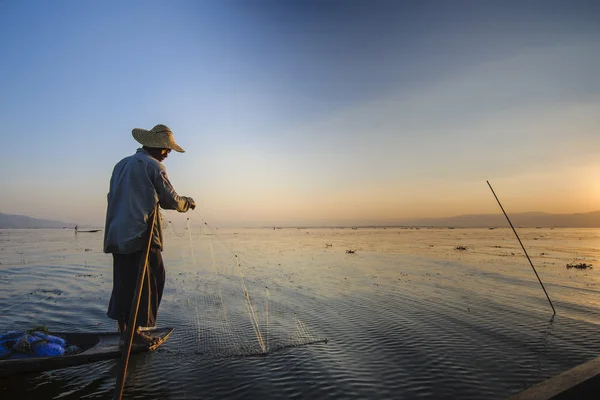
column 405, row 316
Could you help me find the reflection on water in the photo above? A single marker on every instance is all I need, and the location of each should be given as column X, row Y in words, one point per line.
column 406, row 315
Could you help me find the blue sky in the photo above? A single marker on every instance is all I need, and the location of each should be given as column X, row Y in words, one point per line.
column 305, row 112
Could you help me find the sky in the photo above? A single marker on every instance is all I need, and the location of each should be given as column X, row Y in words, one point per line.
column 305, row 112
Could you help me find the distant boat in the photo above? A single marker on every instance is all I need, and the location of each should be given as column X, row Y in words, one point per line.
column 86, row 231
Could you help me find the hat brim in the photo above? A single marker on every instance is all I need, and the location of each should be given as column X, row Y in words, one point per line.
column 150, row 139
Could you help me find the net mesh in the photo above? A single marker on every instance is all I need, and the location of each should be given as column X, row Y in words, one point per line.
column 231, row 311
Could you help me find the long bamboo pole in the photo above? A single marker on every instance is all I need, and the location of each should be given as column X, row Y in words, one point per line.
column 135, row 304
column 523, row 247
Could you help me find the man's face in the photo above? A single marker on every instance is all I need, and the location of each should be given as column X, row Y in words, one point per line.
column 159, row 154
column 164, row 153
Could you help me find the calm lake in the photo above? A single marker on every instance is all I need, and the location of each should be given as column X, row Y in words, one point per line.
column 405, row 315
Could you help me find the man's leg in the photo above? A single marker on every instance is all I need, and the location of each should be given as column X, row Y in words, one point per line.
column 156, row 284
column 124, row 278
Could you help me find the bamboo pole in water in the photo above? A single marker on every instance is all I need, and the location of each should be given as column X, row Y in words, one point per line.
column 135, row 304
column 523, row 247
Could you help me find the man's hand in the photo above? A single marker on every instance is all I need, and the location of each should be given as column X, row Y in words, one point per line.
column 191, row 202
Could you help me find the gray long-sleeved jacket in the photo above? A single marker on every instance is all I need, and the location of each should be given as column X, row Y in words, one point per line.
column 138, row 182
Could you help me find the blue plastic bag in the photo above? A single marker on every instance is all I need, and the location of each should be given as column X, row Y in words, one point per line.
column 51, row 339
column 41, row 349
column 22, row 345
column 15, row 344
column 4, row 352
column 8, row 343
column 32, row 339
column 11, row 335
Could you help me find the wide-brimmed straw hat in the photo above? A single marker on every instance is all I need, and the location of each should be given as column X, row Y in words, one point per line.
column 159, row 137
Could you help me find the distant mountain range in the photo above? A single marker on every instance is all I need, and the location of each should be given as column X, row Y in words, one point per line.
column 11, row 221
column 525, row 220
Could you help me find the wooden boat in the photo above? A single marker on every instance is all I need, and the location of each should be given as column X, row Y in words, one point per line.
column 88, row 231
column 96, row 346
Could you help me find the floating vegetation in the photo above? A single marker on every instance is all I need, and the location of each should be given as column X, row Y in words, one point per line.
column 46, row 291
column 52, row 291
column 41, row 328
column 579, row 266
column 350, row 251
column 461, row 248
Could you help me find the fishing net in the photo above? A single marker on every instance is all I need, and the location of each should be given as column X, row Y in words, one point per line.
column 230, row 309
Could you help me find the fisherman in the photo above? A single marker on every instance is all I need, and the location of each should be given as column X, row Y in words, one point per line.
column 137, row 184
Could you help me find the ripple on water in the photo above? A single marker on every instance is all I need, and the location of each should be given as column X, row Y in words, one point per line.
column 404, row 320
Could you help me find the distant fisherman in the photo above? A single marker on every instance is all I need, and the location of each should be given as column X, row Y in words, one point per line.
column 137, row 184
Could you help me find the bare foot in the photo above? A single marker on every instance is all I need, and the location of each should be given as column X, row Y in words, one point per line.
column 143, row 338
column 140, row 339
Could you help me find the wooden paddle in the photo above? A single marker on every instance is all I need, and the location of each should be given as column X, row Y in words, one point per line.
column 135, row 304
